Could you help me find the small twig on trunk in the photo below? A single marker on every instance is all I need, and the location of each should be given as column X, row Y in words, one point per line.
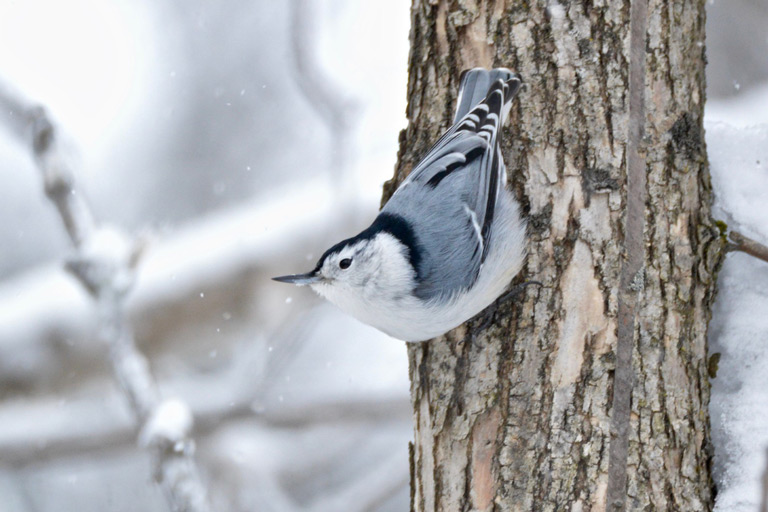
column 104, row 263
column 745, row 244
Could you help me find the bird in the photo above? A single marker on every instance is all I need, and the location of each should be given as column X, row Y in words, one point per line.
column 451, row 238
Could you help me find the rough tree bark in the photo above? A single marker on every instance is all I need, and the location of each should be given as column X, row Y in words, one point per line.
column 590, row 392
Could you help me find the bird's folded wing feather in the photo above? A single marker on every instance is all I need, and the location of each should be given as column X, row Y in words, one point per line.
column 456, row 187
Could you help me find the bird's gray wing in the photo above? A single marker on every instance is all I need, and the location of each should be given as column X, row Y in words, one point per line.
column 447, row 231
column 450, row 197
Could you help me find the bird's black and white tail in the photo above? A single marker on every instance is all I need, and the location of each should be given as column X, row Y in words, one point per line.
column 480, row 84
column 485, row 97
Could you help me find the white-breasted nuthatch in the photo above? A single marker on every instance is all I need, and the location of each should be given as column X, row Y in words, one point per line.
column 448, row 242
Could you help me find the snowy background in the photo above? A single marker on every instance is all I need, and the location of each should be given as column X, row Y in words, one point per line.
column 219, row 131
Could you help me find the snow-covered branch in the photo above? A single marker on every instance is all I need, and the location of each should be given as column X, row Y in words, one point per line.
column 30, row 123
column 23, row 441
column 104, row 264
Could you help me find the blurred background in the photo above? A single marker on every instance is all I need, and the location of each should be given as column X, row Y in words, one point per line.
column 238, row 139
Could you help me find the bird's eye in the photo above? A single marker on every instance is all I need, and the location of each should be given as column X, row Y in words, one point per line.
column 345, row 263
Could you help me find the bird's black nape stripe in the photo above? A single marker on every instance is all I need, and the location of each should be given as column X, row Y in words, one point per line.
column 401, row 229
column 441, row 175
column 388, row 223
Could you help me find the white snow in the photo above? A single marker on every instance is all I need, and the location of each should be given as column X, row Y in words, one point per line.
column 739, row 165
column 106, row 258
column 170, row 422
column 739, row 328
column 749, row 107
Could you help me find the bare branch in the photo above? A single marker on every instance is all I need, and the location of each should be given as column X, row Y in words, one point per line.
column 745, row 244
column 104, row 265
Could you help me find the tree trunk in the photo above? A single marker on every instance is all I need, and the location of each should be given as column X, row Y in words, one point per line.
column 590, row 392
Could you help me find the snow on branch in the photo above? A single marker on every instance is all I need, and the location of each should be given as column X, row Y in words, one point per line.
column 28, row 121
column 104, row 264
column 23, row 442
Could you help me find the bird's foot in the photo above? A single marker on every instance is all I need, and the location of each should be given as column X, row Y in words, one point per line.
column 516, row 290
column 490, row 311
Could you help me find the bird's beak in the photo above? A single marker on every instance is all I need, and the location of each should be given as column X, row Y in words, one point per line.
column 300, row 279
